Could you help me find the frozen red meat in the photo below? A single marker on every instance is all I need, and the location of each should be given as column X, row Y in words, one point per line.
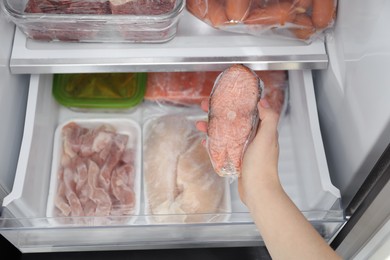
column 68, row 7
column 59, row 30
column 96, row 173
column 142, row 7
column 179, row 178
column 88, row 7
column 233, row 118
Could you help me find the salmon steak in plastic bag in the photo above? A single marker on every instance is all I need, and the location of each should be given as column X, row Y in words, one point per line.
column 233, row 118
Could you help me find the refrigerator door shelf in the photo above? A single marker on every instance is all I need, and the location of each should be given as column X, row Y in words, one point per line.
column 303, row 173
column 197, row 46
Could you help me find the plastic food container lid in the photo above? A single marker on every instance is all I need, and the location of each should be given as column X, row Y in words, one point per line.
column 103, row 90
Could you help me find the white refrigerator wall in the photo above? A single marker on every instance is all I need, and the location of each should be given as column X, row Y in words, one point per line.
column 13, row 98
column 353, row 95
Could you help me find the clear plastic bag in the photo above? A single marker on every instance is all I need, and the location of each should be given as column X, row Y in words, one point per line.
column 297, row 19
column 275, row 89
column 180, row 88
column 179, row 181
column 190, row 88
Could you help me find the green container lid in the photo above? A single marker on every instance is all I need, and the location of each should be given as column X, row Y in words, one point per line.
column 103, row 90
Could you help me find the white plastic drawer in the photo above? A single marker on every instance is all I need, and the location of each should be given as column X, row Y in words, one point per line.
column 303, row 172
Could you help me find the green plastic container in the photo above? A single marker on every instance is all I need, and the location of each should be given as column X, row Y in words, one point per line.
column 103, row 90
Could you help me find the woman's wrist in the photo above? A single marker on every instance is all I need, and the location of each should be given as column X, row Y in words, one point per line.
column 262, row 186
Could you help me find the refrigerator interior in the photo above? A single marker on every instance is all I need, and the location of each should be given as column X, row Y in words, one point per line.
column 303, row 171
column 353, row 93
column 13, row 98
column 349, row 71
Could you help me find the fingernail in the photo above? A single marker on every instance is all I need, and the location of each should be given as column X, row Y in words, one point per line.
column 264, row 103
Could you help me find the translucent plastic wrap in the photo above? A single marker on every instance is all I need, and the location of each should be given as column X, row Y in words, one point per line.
column 179, row 179
column 298, row 19
column 96, row 20
column 180, row 88
column 233, row 118
column 95, row 170
column 275, row 89
column 190, row 88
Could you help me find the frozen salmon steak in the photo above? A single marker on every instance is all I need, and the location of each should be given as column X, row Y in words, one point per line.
column 233, row 118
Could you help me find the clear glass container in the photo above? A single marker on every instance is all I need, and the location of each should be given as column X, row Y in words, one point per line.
column 98, row 21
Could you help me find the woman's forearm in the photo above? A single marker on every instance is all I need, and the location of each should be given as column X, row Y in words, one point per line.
column 286, row 232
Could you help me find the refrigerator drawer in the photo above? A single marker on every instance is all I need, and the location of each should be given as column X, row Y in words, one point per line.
column 303, row 172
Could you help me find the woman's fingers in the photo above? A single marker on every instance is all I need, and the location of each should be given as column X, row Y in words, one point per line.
column 201, row 126
column 266, row 113
column 205, row 105
column 268, row 127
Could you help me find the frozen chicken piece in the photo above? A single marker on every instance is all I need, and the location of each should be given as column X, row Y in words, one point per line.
column 233, row 118
column 165, row 141
column 179, row 178
column 96, row 174
column 202, row 190
column 182, row 88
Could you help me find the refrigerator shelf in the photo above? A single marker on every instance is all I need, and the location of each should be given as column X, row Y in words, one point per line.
column 196, row 46
column 303, row 173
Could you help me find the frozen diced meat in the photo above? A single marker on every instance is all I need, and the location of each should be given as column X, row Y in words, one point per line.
column 98, row 195
column 114, row 157
column 61, row 202
column 96, row 173
column 121, row 182
column 70, row 194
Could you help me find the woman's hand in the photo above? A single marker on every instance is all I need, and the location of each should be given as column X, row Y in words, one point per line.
column 260, row 161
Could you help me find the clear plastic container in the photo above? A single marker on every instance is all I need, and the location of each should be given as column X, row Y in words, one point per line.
column 108, row 91
column 96, row 20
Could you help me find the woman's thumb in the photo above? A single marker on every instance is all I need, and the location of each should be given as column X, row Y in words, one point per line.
column 269, row 118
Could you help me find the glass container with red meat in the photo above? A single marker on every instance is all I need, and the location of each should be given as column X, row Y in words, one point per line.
column 96, row 20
